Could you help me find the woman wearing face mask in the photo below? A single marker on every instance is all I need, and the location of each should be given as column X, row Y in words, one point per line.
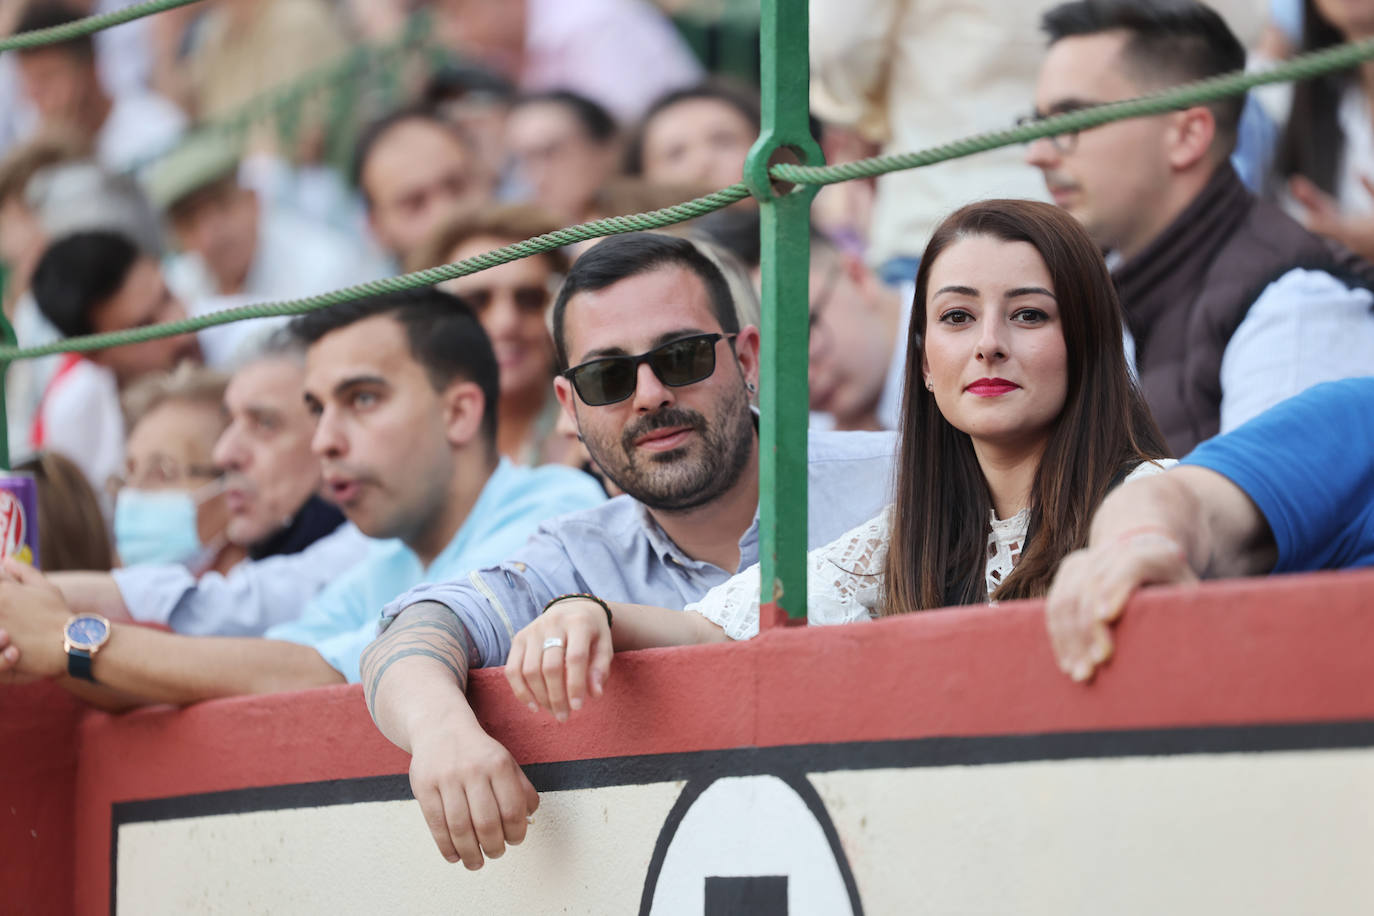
column 1019, row 416
column 169, row 503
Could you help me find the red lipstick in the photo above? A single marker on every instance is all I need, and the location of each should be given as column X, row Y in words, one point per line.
column 991, row 387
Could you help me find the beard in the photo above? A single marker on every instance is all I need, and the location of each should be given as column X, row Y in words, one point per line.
column 684, row 478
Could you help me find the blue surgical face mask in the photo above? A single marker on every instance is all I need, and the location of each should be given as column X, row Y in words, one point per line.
column 157, row 526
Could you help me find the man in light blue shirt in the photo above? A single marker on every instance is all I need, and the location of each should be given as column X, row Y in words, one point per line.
column 404, row 388
column 342, row 619
column 659, row 388
column 296, row 542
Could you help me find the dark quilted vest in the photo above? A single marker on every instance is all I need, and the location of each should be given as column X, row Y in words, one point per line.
column 1188, row 291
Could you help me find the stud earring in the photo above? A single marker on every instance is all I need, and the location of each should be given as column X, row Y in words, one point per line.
column 930, row 386
column 750, row 386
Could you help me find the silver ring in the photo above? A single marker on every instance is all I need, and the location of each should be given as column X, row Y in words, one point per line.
column 553, row 642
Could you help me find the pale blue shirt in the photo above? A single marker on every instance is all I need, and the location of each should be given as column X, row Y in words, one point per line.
column 251, row 597
column 618, row 552
column 342, row 619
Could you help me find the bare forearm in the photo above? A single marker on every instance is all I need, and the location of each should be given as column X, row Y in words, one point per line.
column 1221, row 531
column 92, row 593
column 158, row 667
column 415, row 674
column 100, row 697
column 638, row 626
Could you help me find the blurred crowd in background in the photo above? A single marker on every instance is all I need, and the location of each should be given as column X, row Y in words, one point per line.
column 999, row 385
column 125, row 200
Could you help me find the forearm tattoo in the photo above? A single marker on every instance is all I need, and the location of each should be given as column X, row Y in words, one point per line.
column 427, row 629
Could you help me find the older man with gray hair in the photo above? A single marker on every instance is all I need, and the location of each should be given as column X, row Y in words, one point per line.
column 296, row 542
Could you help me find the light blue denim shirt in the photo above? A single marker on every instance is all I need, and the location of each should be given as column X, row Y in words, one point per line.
column 342, row 619
column 618, row 552
column 248, row 599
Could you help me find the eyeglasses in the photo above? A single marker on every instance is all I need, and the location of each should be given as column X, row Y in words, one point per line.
column 680, row 362
column 1064, row 143
column 160, row 473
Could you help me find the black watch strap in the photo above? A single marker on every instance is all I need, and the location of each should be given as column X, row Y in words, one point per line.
column 79, row 664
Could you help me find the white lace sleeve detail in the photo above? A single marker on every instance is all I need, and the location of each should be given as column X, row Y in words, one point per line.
column 843, row 580
column 733, row 605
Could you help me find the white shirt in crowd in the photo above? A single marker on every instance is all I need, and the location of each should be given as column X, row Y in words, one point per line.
column 82, row 419
column 909, row 74
column 140, row 126
column 1306, row 327
column 124, row 60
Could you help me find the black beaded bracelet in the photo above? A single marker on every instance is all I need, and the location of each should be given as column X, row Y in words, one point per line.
column 604, row 606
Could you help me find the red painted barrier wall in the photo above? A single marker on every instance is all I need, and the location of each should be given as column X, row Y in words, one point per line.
column 1265, row 651
column 38, row 764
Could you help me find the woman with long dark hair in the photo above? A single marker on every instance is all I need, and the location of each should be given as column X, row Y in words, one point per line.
column 974, row 469
column 1020, row 414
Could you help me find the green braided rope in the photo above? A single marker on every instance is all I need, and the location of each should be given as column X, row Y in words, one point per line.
column 615, row 225
column 89, row 25
column 1306, row 66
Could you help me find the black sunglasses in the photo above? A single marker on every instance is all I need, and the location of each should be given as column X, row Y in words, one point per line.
column 609, row 379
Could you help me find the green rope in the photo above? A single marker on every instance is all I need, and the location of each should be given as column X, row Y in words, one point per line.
column 549, row 241
column 1304, row 67
column 68, row 31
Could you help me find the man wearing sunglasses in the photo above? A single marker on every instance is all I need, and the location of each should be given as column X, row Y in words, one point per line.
column 1231, row 305
column 659, row 385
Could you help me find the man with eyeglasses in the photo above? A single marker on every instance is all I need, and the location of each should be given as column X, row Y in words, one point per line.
column 1231, row 305
column 659, row 387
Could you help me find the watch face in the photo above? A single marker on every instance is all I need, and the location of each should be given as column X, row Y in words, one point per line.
column 86, row 632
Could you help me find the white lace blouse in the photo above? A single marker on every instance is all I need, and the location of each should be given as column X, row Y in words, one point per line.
column 844, row 578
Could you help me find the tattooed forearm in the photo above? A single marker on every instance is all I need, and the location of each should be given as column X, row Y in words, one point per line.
column 426, row 630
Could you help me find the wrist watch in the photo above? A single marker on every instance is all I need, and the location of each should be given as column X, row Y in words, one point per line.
column 82, row 637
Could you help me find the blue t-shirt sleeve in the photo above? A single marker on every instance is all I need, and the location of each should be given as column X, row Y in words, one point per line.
column 1308, row 464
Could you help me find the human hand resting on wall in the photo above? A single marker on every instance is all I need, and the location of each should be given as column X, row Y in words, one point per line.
column 1322, row 215
column 561, row 657
column 475, row 798
column 1091, row 589
column 33, row 614
column 564, row 655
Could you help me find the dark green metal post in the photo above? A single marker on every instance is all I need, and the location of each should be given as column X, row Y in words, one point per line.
column 784, row 234
column 6, row 337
